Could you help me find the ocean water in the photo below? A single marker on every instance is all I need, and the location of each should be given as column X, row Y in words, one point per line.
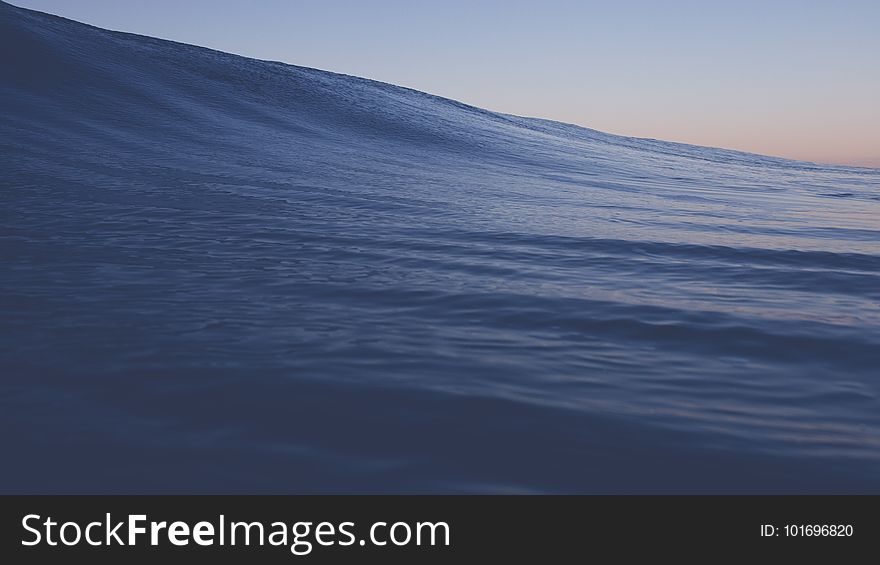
column 229, row 275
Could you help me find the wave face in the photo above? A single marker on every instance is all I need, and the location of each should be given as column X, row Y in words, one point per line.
column 230, row 275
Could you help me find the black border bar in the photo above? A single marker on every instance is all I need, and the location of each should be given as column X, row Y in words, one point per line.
column 544, row 529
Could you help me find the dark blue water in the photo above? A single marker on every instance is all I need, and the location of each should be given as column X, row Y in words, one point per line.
column 228, row 275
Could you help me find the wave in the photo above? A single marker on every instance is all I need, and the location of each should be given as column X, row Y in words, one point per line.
column 231, row 275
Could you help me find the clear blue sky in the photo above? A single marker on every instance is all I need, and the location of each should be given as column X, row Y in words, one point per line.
column 798, row 79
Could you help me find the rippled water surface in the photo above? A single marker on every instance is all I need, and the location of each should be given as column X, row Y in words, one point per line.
column 227, row 275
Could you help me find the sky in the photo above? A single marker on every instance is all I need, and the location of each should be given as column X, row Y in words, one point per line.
column 797, row 79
